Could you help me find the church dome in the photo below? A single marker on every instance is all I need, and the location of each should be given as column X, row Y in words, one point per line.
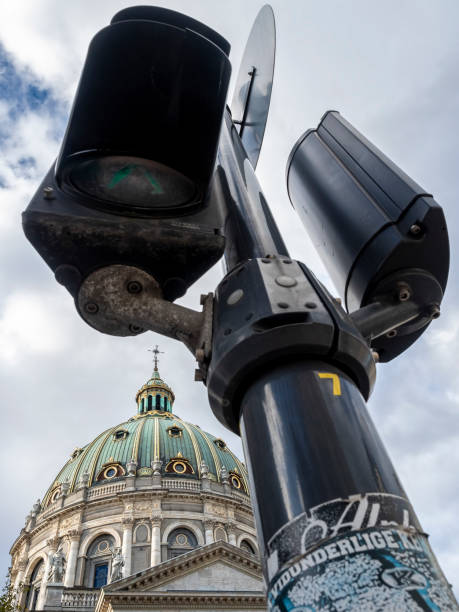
column 142, row 493
column 154, row 441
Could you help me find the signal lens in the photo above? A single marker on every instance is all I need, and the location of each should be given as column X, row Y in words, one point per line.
column 132, row 183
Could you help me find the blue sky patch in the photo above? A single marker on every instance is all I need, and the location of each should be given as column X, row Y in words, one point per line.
column 23, row 93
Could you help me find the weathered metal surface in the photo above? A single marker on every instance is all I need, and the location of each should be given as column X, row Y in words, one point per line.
column 335, row 523
column 105, row 303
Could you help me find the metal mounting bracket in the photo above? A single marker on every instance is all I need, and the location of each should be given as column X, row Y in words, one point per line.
column 126, row 301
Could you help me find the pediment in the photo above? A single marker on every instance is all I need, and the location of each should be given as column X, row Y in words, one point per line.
column 215, row 567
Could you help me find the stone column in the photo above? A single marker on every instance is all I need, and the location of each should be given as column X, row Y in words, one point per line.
column 22, row 564
column 126, row 549
column 209, row 531
column 70, row 570
column 155, row 541
column 231, row 534
column 52, row 547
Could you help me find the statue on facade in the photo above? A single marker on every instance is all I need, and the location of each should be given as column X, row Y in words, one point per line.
column 57, row 566
column 131, row 467
column 156, row 466
column 224, row 475
column 117, row 565
column 204, row 469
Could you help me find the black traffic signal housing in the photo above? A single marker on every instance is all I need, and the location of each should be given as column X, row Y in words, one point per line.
column 132, row 180
column 377, row 231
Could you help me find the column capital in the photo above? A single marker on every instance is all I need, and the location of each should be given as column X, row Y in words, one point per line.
column 209, row 524
column 155, row 521
column 230, row 527
column 127, row 521
column 52, row 543
column 73, row 534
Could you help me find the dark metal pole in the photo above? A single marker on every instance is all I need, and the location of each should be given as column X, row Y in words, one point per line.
column 338, row 530
column 288, row 367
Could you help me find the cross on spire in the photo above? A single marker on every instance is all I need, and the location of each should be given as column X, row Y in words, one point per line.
column 155, row 352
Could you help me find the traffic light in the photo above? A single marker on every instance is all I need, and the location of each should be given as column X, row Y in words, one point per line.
column 132, row 180
column 378, row 233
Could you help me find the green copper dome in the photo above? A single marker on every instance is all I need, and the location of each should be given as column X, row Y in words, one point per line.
column 153, row 442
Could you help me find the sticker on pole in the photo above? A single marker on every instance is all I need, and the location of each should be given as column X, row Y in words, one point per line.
column 373, row 571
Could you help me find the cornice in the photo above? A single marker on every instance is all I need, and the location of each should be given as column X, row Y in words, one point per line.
column 24, row 536
column 207, row 600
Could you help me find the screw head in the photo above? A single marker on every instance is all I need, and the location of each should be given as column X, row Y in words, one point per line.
column 415, row 229
column 286, row 281
column 235, row 297
column 91, row 308
column 392, row 333
column 134, row 287
column 48, row 193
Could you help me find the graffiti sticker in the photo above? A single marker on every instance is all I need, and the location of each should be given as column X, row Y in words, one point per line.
column 336, row 517
column 371, row 571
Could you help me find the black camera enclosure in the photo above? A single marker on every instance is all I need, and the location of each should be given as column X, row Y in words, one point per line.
column 379, row 234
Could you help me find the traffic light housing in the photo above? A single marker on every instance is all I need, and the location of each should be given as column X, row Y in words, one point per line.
column 377, row 231
column 131, row 185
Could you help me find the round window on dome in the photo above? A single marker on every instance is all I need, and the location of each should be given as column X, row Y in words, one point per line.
column 110, row 470
column 55, row 495
column 236, row 481
column 179, row 467
column 220, row 443
column 174, row 431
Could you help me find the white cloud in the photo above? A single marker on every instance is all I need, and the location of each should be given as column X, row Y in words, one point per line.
column 32, row 324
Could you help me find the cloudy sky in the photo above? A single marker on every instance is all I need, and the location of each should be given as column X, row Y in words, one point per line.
column 390, row 68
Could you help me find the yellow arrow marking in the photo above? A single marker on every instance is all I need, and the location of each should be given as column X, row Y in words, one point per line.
column 334, row 378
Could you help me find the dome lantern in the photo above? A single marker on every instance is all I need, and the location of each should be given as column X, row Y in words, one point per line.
column 155, row 394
